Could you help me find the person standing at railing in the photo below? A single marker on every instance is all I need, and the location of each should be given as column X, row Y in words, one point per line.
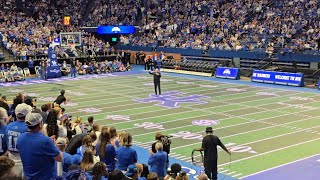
column 159, row 62
column 73, row 70
column 31, row 65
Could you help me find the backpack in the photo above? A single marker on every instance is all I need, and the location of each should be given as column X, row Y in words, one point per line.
column 86, row 128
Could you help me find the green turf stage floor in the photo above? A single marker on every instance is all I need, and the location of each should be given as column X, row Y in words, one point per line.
column 263, row 127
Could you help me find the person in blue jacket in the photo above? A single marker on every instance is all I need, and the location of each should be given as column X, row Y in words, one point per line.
column 158, row 160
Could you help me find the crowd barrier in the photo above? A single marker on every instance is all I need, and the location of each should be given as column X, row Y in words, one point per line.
column 274, row 77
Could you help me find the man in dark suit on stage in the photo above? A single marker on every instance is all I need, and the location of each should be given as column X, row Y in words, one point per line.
column 156, row 80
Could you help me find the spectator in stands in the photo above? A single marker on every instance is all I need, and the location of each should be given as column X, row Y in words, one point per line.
column 3, row 121
column 120, row 139
column 140, row 171
column 70, row 130
column 86, row 144
column 115, row 66
column 6, row 168
column 87, row 162
column 106, row 151
column 157, row 161
column 64, row 69
column 173, row 171
column 31, row 66
column 38, row 152
column 63, row 129
column 99, row 171
column 16, row 101
column 61, row 143
column 3, row 67
column 125, row 154
column 78, row 125
column 145, row 171
column 132, row 172
column 87, row 127
column 116, row 175
column 96, row 130
column 76, row 142
column 203, row 177
column 13, row 133
column 182, row 175
column 4, row 103
column 14, row 67
column 113, row 136
column 52, row 128
column 152, row 176
column 44, row 112
column 128, row 67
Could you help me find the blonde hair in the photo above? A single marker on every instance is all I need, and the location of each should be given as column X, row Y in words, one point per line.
column 203, row 177
column 120, row 137
column 3, row 115
column 77, row 119
column 159, row 146
column 58, row 109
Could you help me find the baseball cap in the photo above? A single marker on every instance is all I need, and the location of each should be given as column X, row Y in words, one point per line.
column 76, row 159
column 132, row 169
column 33, row 119
column 22, row 110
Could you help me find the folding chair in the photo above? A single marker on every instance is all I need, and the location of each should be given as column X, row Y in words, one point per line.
column 26, row 72
column 37, row 68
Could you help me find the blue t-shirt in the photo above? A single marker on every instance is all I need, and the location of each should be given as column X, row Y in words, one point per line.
column 14, row 130
column 157, row 161
column 37, row 152
column 67, row 158
column 109, row 158
column 3, row 142
column 126, row 156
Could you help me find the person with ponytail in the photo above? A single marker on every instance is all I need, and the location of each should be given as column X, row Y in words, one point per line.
column 125, row 154
column 106, row 150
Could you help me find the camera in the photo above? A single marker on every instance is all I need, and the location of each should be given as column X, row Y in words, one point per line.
column 166, row 141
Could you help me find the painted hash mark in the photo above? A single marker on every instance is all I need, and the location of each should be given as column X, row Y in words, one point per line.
column 90, row 110
column 119, row 117
column 184, row 82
